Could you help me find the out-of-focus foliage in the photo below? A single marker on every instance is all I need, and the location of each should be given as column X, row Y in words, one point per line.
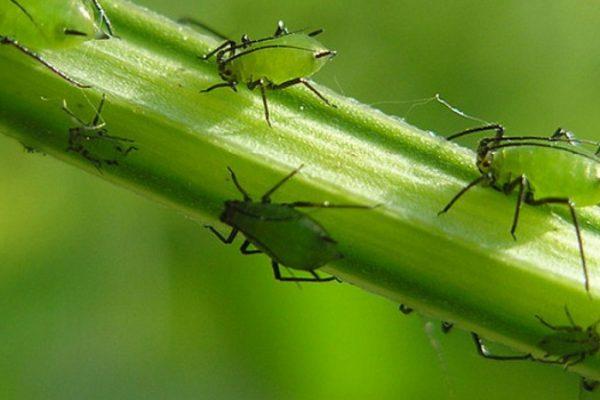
column 107, row 295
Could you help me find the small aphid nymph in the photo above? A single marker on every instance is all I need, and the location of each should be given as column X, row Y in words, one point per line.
column 272, row 63
column 32, row 26
column 545, row 170
column 288, row 236
column 568, row 345
column 86, row 133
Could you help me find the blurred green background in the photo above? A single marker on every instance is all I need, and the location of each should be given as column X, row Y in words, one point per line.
column 106, row 295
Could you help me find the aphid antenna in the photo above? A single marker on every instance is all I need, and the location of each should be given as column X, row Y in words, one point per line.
column 4, row 40
column 457, row 111
column 266, row 198
column 490, row 127
column 238, row 185
column 534, row 144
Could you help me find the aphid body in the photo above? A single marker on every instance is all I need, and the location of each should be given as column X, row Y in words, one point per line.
column 281, row 231
column 272, row 63
column 34, row 25
column 94, row 134
column 546, row 170
column 569, row 344
column 285, row 234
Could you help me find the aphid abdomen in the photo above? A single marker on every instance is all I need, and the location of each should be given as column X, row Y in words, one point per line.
column 288, row 236
column 279, row 60
column 551, row 172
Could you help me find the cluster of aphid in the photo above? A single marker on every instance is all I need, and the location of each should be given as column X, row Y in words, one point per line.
column 505, row 163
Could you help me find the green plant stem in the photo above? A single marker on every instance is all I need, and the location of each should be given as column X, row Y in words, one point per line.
column 462, row 267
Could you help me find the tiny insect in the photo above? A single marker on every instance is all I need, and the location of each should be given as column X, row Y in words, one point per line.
column 271, row 63
column 288, row 236
column 33, row 25
column 568, row 345
column 94, row 132
column 546, row 170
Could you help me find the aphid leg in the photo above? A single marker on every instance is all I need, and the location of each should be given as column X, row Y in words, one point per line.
column 568, row 203
column 281, row 29
column 103, row 17
column 404, row 309
column 508, row 188
column 238, row 185
column 561, row 133
column 265, row 103
column 464, row 190
column 8, row 41
column 306, row 83
column 492, row 127
column 277, row 274
column 230, row 85
column 447, row 326
column 315, row 33
column 244, row 249
column 227, row 240
column 266, row 198
column 484, row 352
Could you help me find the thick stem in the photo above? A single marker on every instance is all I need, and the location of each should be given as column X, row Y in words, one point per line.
column 462, row 267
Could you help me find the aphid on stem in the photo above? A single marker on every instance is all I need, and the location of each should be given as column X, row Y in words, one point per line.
column 33, row 25
column 94, row 132
column 271, row 63
column 290, row 237
column 568, row 345
column 545, row 170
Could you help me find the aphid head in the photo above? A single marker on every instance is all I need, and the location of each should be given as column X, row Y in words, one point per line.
column 231, row 209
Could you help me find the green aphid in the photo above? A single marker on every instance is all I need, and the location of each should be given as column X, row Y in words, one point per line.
column 545, row 170
column 568, row 345
column 93, row 133
column 272, row 63
column 288, row 236
column 34, row 25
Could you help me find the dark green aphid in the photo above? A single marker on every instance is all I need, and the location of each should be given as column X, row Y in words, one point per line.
column 34, row 25
column 80, row 137
column 546, row 170
column 272, row 63
column 288, row 236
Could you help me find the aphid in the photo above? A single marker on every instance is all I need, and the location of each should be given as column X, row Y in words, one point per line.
column 288, row 236
column 33, row 25
column 546, row 170
column 568, row 345
column 94, row 132
column 272, row 63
